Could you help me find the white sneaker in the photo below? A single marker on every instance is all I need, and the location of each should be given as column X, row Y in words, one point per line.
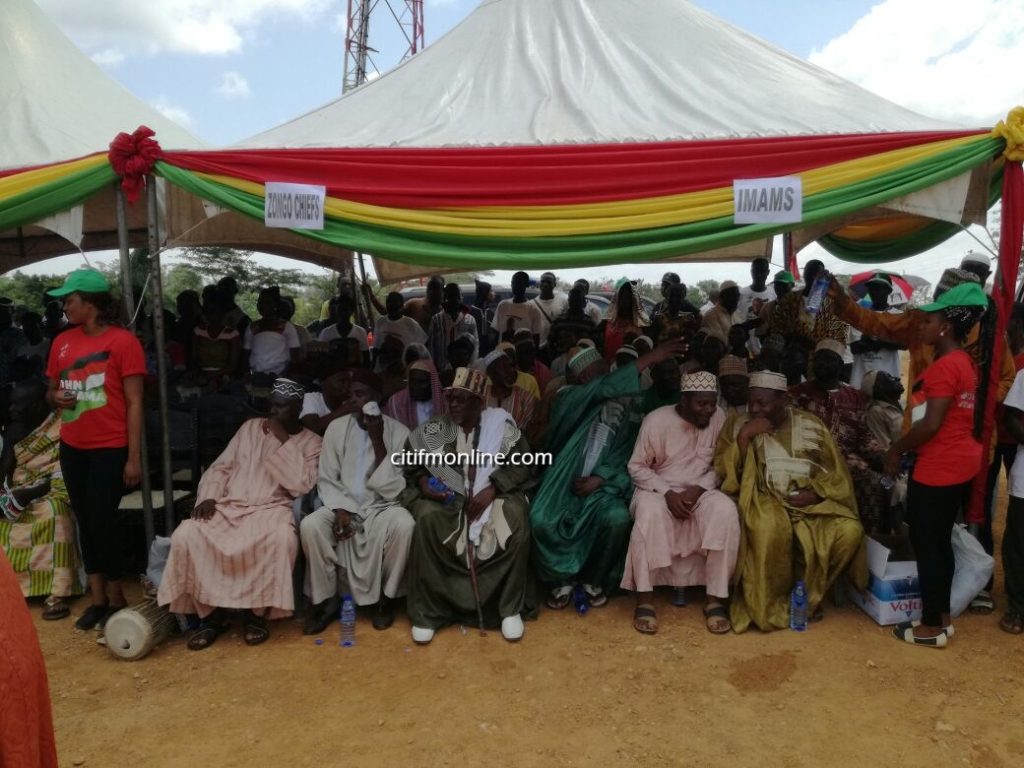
column 512, row 628
column 422, row 635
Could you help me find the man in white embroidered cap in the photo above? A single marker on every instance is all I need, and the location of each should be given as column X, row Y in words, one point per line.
column 239, row 548
column 685, row 531
column 797, row 508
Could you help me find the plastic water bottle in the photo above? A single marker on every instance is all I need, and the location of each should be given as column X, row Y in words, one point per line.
column 819, row 289
column 798, row 608
column 580, row 599
column 348, row 622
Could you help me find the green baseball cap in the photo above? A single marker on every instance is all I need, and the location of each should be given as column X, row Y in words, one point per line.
column 963, row 295
column 783, row 277
column 82, row 281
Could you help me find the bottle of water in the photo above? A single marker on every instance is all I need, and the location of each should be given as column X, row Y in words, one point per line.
column 348, row 622
column 819, row 289
column 580, row 599
column 798, row 608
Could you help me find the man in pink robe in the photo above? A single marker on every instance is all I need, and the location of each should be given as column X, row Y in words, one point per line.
column 685, row 532
column 239, row 548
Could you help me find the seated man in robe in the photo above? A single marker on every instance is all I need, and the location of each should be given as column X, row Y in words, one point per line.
column 797, row 509
column 421, row 399
column 471, row 546
column 239, row 548
column 579, row 518
column 503, row 390
column 685, row 531
column 842, row 409
column 361, row 535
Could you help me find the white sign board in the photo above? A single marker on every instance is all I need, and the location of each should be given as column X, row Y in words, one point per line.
column 768, row 201
column 294, row 206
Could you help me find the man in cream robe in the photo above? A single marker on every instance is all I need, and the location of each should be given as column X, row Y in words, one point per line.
column 797, row 508
column 361, row 533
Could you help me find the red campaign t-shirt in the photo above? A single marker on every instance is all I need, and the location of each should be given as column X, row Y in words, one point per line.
column 94, row 368
column 953, row 456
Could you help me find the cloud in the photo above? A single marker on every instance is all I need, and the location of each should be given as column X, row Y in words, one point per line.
column 209, row 27
column 233, row 86
column 173, row 112
column 945, row 58
column 108, row 57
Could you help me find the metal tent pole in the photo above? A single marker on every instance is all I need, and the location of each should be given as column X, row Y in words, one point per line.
column 156, row 280
column 128, row 297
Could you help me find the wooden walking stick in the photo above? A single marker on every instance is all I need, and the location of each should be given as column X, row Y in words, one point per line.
column 470, row 552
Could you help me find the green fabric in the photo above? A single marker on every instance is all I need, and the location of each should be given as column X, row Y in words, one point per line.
column 586, row 538
column 464, row 252
column 46, row 199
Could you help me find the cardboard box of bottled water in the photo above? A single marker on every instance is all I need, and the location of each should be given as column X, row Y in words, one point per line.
column 893, row 594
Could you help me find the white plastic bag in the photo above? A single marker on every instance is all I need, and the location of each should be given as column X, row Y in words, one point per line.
column 974, row 568
column 159, row 551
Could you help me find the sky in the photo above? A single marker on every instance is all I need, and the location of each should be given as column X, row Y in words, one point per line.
column 229, row 69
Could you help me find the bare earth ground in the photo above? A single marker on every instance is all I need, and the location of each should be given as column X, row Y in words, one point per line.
column 576, row 691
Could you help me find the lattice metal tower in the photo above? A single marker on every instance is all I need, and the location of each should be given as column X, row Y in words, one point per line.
column 359, row 56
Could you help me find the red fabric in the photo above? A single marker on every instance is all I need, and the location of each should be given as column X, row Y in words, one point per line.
column 951, row 457
column 542, row 175
column 1011, row 239
column 14, row 171
column 132, row 156
column 26, row 724
column 94, row 367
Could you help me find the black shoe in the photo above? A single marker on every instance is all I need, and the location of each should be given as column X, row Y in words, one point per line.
column 384, row 616
column 94, row 616
column 321, row 616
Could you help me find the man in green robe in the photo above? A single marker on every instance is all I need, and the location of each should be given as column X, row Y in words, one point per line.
column 470, row 552
column 580, row 515
column 797, row 508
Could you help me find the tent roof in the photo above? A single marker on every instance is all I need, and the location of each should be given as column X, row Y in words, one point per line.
column 57, row 103
column 526, row 72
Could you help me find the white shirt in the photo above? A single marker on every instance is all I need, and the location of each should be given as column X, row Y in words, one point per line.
column 404, row 328
column 744, row 310
column 270, row 351
column 330, row 333
column 424, row 411
column 550, row 309
column 593, row 312
column 525, row 315
column 313, row 404
column 887, row 360
column 1015, row 399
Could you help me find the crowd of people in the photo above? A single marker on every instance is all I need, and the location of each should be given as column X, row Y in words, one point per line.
column 480, row 459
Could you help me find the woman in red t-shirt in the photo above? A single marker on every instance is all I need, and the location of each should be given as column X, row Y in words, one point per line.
column 948, row 454
column 95, row 372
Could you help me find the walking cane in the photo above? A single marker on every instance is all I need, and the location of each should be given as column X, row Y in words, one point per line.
column 471, row 478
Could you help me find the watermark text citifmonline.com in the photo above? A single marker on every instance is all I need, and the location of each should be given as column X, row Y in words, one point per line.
column 473, row 458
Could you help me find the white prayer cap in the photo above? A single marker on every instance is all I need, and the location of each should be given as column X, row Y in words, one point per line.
column 627, row 350
column 698, row 381
column 832, row 346
column 769, row 380
column 492, row 356
column 288, row 389
column 974, row 257
column 727, row 285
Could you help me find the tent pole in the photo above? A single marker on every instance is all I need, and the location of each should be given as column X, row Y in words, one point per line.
column 161, row 362
column 128, row 311
column 366, row 302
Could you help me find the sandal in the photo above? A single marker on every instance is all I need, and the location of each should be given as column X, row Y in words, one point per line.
column 55, row 608
column 93, row 616
column 1012, row 622
column 257, row 629
column 645, row 619
column 982, row 604
column 596, row 596
column 384, row 616
column 206, row 635
column 720, row 612
column 559, row 597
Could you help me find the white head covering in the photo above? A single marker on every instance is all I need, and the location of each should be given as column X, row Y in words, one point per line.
column 974, row 257
column 769, row 380
column 698, row 381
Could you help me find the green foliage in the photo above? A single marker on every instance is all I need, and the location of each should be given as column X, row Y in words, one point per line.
column 28, row 290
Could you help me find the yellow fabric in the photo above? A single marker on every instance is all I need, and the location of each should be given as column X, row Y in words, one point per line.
column 1012, row 129
column 871, row 230
column 598, row 218
column 17, row 183
column 829, row 538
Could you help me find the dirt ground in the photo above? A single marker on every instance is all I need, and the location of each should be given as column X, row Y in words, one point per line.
column 577, row 691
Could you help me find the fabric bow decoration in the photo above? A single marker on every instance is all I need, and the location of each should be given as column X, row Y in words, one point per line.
column 1012, row 129
column 132, row 156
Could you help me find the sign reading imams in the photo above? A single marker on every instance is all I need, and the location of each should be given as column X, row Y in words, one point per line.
column 294, row 206
column 768, row 201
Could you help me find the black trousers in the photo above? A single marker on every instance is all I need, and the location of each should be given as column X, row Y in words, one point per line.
column 931, row 512
column 1003, row 458
column 95, row 482
column 1013, row 555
